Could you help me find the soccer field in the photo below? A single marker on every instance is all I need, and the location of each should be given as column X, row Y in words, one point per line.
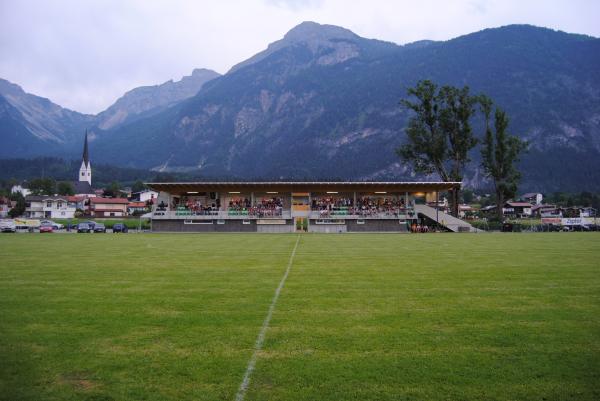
column 358, row 317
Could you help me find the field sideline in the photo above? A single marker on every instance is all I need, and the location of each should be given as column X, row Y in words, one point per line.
column 359, row 317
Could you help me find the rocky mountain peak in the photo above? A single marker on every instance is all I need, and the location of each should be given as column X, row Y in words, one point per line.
column 150, row 99
column 316, row 37
column 309, row 31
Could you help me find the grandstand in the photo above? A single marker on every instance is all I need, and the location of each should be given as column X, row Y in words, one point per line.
column 288, row 206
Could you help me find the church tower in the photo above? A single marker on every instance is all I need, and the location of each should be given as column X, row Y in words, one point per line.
column 85, row 171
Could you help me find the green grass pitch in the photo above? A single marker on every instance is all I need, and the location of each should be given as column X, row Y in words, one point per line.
column 360, row 317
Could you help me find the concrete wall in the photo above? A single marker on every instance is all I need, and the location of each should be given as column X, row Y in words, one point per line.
column 238, row 226
column 376, row 226
column 326, row 228
column 275, row 228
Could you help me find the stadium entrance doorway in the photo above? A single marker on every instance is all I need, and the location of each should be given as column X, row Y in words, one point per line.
column 301, row 224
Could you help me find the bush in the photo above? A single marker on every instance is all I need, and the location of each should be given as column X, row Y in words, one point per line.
column 132, row 224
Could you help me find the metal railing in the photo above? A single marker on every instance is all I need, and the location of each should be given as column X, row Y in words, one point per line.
column 230, row 214
column 404, row 213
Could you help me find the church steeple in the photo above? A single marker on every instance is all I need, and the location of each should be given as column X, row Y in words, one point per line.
column 86, row 156
column 85, row 171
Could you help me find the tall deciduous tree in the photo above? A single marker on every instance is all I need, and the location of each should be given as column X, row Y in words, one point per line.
column 113, row 190
column 42, row 186
column 65, row 188
column 499, row 153
column 19, row 207
column 440, row 136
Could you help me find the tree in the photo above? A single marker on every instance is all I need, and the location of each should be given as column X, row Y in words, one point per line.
column 113, row 190
column 65, row 188
column 467, row 196
column 439, row 134
column 138, row 186
column 499, row 153
column 19, row 208
column 42, row 186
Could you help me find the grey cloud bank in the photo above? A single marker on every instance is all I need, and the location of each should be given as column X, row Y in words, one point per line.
column 84, row 55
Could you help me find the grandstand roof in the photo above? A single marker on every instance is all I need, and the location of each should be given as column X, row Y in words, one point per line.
column 303, row 186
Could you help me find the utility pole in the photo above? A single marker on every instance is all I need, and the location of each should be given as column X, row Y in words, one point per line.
column 437, row 209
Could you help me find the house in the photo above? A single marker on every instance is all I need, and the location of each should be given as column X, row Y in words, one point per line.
column 139, row 207
column 510, row 209
column 126, row 192
column 20, row 188
column 534, row 198
column 488, row 210
column 145, row 195
column 5, row 206
column 79, row 201
column 517, row 209
column 108, row 207
column 543, row 210
column 465, row 211
column 587, row 212
column 49, row 207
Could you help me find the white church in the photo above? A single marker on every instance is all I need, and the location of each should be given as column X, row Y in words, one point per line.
column 83, row 185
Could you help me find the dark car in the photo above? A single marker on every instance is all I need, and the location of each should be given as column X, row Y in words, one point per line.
column 84, row 228
column 92, row 224
column 120, row 228
column 99, row 228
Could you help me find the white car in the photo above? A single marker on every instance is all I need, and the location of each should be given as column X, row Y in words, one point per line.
column 56, row 226
column 8, row 226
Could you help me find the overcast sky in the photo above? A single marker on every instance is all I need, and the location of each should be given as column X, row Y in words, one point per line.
column 84, row 54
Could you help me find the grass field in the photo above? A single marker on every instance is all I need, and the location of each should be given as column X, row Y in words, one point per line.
column 360, row 317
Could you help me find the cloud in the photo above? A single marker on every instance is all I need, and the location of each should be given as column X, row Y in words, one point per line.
column 85, row 54
column 296, row 4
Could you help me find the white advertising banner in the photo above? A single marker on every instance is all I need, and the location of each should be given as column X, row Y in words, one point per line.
column 577, row 221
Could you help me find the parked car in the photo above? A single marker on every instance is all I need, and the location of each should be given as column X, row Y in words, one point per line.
column 72, row 226
column 84, row 228
column 90, row 223
column 120, row 228
column 56, row 226
column 46, row 227
column 8, row 226
column 99, row 228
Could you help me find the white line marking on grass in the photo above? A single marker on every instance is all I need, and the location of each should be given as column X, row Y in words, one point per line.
column 263, row 330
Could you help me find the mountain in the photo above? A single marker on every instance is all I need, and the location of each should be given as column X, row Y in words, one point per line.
column 323, row 102
column 34, row 125
column 147, row 100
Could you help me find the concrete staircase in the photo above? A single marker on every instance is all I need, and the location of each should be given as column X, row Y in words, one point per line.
column 445, row 220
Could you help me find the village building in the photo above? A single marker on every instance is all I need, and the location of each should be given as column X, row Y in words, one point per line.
column 542, row 210
column 107, row 207
column 49, row 207
column 517, row 209
column 145, row 195
column 535, row 198
column 20, row 188
column 135, row 207
column 466, row 211
column 5, row 206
